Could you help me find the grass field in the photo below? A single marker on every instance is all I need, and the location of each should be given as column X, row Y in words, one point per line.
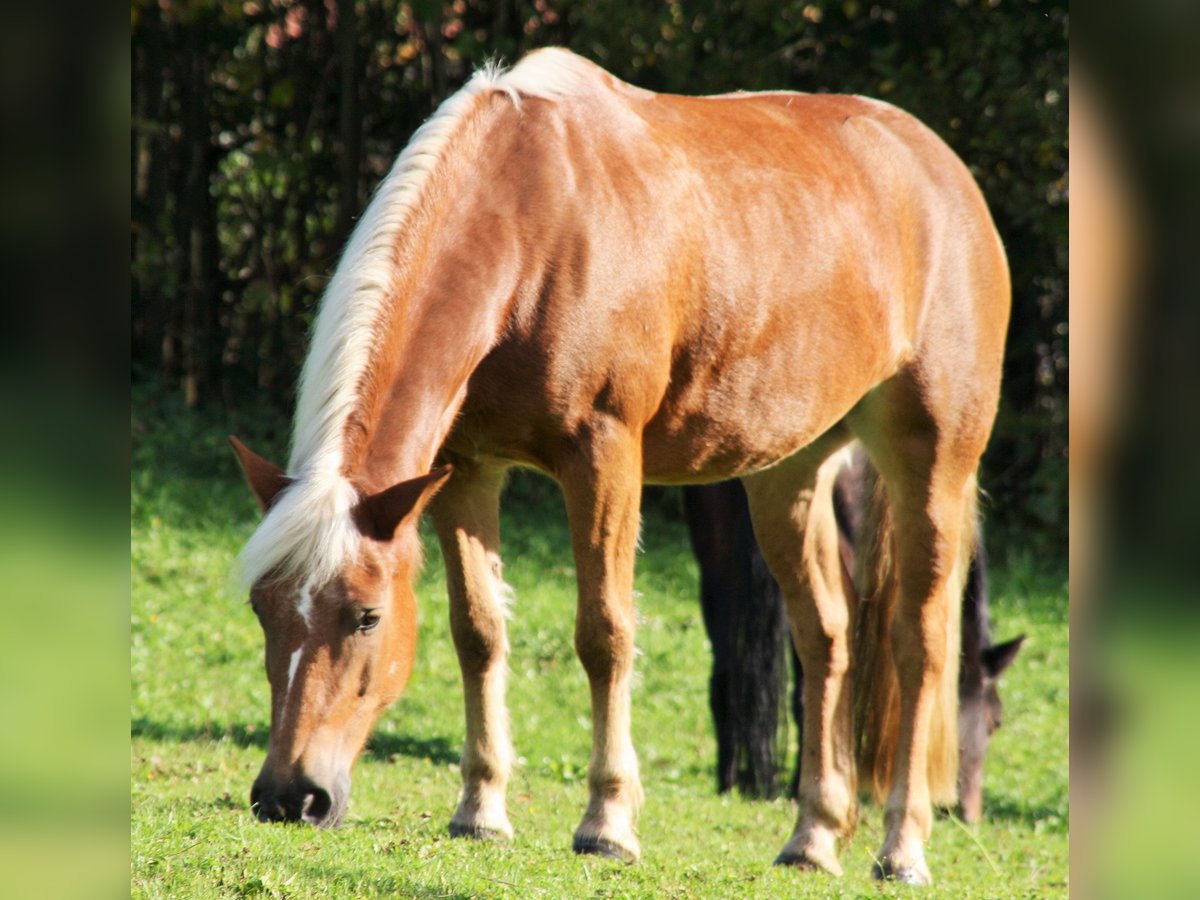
column 200, row 708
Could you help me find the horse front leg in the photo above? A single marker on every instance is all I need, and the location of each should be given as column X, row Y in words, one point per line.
column 466, row 515
column 602, row 487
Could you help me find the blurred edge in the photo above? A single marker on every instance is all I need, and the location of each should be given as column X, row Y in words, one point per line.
column 1134, row 429
column 64, row 667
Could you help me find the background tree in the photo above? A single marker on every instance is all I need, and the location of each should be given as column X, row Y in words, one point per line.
column 259, row 127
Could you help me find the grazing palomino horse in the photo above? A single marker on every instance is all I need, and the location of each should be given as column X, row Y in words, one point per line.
column 614, row 286
column 746, row 623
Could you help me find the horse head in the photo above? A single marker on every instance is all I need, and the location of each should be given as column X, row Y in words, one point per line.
column 339, row 644
column 980, row 713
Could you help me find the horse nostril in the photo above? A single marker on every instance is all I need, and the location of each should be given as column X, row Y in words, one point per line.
column 262, row 804
column 316, row 806
column 268, row 805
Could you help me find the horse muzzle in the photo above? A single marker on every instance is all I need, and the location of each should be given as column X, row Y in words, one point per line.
column 300, row 799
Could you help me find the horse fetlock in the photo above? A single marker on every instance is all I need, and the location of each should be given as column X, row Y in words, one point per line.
column 908, row 824
column 830, row 801
column 486, row 774
column 614, row 779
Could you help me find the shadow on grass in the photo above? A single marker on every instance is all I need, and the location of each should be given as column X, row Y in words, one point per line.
column 243, row 734
column 1000, row 810
column 435, row 749
column 380, row 747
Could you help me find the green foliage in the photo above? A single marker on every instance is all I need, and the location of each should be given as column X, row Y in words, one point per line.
column 200, row 713
column 239, row 147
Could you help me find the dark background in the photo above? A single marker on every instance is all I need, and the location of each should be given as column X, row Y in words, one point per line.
column 259, row 128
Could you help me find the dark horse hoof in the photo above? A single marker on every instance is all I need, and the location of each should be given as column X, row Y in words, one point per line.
column 476, row 832
column 601, row 847
column 903, row 875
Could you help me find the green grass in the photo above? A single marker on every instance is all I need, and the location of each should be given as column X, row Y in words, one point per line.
column 200, row 707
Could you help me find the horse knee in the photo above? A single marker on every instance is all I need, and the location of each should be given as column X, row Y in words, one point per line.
column 604, row 641
column 479, row 639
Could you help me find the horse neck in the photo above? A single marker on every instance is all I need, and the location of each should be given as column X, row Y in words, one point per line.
column 445, row 318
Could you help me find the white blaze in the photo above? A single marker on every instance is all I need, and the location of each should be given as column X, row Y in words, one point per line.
column 304, row 604
column 292, row 670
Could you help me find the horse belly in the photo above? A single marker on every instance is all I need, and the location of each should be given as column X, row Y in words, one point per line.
column 770, row 362
column 737, row 417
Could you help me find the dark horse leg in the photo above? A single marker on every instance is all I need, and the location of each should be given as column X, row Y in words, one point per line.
column 744, row 618
column 709, row 509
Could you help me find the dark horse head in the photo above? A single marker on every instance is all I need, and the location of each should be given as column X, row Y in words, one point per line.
column 980, row 711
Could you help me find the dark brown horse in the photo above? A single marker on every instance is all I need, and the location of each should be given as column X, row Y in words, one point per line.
column 613, row 286
column 744, row 617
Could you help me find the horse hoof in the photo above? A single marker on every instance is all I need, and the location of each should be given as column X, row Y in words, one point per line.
column 795, row 860
column 476, row 832
column 805, row 863
column 596, row 846
column 902, row 874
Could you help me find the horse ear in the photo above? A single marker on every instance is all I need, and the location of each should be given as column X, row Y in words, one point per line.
column 379, row 515
column 999, row 657
column 265, row 478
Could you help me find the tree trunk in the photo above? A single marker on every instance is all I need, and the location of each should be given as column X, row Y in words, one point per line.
column 149, row 174
column 349, row 121
column 200, row 290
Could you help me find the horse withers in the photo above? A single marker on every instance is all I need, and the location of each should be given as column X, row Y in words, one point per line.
column 613, row 286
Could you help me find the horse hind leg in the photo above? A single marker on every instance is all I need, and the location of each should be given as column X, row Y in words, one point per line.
column 466, row 515
column 791, row 507
column 602, row 486
column 928, row 468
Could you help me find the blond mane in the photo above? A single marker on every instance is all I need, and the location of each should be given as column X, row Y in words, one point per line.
column 309, row 531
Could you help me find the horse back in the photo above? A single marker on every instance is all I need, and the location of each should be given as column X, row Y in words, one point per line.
column 683, row 258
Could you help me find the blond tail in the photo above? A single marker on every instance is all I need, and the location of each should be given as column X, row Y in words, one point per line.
column 876, row 689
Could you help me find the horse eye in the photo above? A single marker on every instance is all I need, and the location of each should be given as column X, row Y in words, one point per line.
column 369, row 620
